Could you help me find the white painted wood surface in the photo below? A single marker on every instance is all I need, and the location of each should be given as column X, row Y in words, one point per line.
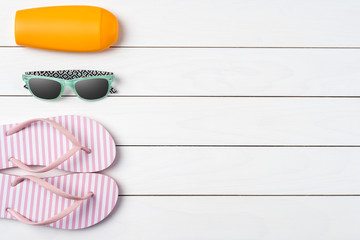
column 220, row 135
column 201, row 72
column 233, row 170
column 216, row 218
column 237, row 171
column 257, row 23
column 207, row 121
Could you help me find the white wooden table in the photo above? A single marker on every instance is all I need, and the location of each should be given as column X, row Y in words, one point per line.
column 234, row 119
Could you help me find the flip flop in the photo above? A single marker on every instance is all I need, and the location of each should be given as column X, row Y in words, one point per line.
column 71, row 143
column 72, row 201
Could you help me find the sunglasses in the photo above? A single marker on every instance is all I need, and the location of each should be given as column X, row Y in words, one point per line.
column 88, row 85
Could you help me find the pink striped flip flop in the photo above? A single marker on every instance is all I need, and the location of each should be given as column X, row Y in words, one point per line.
column 73, row 201
column 71, row 143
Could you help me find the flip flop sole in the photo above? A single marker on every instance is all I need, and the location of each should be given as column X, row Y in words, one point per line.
column 40, row 143
column 38, row 204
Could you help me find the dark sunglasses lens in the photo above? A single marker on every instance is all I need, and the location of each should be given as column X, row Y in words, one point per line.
column 45, row 88
column 91, row 89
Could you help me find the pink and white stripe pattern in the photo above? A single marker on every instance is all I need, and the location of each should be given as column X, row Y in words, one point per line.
column 38, row 204
column 40, row 143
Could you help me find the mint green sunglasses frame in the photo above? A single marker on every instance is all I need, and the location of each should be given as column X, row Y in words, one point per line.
column 68, row 83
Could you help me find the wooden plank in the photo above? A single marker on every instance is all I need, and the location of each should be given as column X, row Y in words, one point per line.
column 258, row 171
column 269, row 218
column 256, row 23
column 207, row 121
column 233, row 171
column 201, row 72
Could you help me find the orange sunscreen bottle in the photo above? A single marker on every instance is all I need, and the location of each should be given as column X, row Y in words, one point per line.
column 66, row 28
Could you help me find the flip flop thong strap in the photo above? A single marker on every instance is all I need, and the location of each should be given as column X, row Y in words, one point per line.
column 76, row 145
column 47, row 186
column 78, row 201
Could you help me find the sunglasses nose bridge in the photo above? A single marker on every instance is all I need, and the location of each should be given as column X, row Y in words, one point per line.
column 69, row 83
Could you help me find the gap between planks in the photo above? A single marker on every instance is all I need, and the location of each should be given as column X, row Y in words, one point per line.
column 244, row 47
column 196, row 96
column 239, row 195
column 243, row 146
